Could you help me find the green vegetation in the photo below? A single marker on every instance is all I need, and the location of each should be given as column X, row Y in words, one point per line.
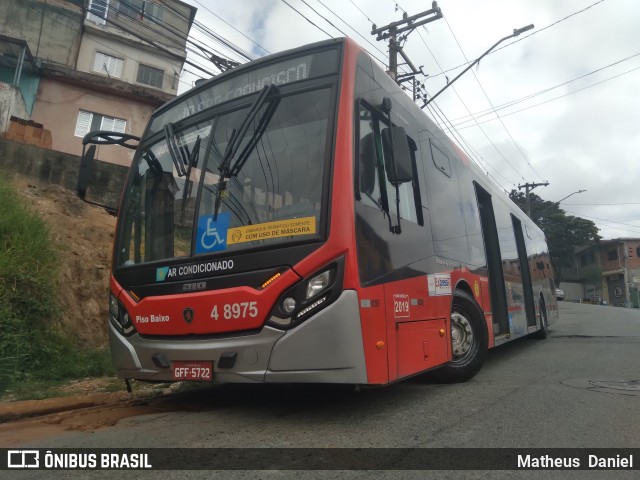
column 35, row 352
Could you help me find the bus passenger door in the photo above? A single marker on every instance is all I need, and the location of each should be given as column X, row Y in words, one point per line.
column 526, row 273
column 497, row 289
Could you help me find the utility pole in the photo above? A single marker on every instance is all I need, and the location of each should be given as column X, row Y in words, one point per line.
column 391, row 31
column 528, row 187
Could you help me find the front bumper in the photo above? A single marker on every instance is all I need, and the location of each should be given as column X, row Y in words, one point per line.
column 326, row 348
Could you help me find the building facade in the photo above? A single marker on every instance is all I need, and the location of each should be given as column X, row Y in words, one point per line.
column 612, row 269
column 101, row 65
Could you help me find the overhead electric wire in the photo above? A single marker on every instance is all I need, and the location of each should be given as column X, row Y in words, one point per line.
column 384, row 62
column 112, row 49
column 551, row 100
column 467, row 108
column 451, row 130
column 229, row 24
column 137, row 34
column 208, row 32
column 519, row 39
column 589, row 217
column 510, row 103
column 307, row 19
column 491, row 103
column 161, row 33
column 600, row 204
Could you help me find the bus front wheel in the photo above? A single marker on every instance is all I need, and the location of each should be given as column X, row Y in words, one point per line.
column 468, row 340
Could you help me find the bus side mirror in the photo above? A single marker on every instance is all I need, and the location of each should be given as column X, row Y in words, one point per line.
column 86, row 163
column 396, row 145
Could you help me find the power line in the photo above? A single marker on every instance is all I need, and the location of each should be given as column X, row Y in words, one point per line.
column 230, row 25
column 358, row 33
column 601, row 204
column 606, row 221
column 307, row 19
column 477, row 159
column 460, row 98
column 468, row 110
column 532, row 95
column 551, row 100
column 521, row 38
column 491, row 103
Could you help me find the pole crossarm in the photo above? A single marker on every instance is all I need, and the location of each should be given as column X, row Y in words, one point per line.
column 392, row 29
column 391, row 32
column 528, row 187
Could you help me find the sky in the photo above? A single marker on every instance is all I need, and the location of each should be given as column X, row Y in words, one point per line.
column 559, row 105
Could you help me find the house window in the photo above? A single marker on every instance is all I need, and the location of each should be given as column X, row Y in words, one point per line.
column 141, row 9
column 613, row 254
column 637, row 251
column 90, row 122
column 587, row 259
column 97, row 11
column 106, row 64
column 131, row 8
column 153, row 12
column 150, row 76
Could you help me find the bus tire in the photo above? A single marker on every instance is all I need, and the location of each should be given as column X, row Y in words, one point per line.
column 544, row 323
column 469, row 340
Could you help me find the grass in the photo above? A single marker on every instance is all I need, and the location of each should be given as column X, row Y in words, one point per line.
column 35, row 351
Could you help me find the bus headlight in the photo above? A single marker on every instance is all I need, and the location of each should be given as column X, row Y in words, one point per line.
column 119, row 317
column 318, row 283
column 307, row 297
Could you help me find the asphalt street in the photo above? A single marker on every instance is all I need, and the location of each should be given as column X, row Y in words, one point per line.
column 578, row 388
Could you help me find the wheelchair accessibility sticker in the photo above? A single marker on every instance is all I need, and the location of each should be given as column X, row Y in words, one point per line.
column 212, row 234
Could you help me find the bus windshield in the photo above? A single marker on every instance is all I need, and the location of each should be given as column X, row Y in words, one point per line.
column 183, row 199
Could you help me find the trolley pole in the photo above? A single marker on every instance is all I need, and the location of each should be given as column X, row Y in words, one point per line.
column 391, row 32
column 528, row 187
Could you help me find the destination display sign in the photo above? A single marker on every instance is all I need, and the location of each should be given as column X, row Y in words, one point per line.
column 248, row 81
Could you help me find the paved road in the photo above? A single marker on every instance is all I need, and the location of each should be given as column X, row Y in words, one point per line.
column 566, row 391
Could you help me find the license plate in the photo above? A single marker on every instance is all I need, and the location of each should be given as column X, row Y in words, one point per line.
column 192, row 371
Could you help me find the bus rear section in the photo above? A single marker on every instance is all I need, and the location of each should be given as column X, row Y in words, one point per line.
column 284, row 223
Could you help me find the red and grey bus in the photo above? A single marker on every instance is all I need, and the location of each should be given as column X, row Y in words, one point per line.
column 300, row 219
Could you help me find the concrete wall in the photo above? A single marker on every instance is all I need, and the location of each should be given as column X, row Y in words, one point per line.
column 11, row 104
column 51, row 167
column 573, row 291
column 51, row 28
column 57, row 109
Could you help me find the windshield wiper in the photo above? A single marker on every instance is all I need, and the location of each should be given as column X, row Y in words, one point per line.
column 183, row 160
column 228, row 170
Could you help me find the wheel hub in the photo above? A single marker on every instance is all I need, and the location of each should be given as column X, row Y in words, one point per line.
column 461, row 335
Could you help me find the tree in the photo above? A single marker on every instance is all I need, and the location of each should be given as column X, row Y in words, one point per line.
column 564, row 232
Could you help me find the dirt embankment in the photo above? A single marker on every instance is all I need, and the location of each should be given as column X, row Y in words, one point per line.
column 84, row 236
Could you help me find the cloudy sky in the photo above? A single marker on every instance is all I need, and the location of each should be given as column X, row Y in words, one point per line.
column 567, row 92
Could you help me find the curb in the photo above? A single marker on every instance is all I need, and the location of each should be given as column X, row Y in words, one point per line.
column 34, row 408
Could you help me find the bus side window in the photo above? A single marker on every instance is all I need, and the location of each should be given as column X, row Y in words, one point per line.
column 369, row 164
column 409, row 193
column 375, row 188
